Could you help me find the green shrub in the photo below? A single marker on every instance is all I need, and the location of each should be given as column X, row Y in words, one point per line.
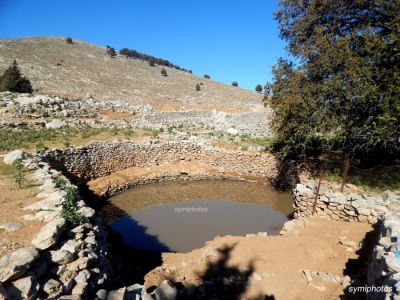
column 19, row 177
column 164, row 72
column 70, row 210
column 60, row 183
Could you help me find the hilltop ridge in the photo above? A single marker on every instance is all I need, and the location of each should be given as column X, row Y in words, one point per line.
column 80, row 69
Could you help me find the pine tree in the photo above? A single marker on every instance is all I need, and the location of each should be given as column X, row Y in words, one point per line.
column 258, row 88
column 13, row 81
column 234, row 83
column 111, row 51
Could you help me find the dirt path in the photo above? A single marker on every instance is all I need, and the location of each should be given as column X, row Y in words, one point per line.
column 270, row 265
column 12, row 200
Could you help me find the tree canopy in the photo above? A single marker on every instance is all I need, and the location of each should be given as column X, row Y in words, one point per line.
column 13, row 81
column 340, row 92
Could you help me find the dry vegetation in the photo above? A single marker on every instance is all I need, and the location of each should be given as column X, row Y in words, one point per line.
column 78, row 70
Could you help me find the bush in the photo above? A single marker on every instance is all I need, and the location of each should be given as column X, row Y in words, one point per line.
column 151, row 63
column 68, row 40
column 19, row 177
column 13, row 81
column 164, row 72
column 111, row 51
column 259, row 88
column 198, row 88
column 207, row 76
column 60, row 183
column 70, row 210
column 235, row 84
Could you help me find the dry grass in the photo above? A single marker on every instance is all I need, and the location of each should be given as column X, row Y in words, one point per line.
column 80, row 69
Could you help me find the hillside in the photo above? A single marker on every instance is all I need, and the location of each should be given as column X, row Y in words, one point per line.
column 80, row 69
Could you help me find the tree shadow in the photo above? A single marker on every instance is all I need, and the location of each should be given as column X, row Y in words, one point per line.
column 357, row 268
column 221, row 281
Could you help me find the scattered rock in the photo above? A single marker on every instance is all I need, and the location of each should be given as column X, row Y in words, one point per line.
column 56, row 123
column 10, row 226
column 16, row 264
column 12, row 156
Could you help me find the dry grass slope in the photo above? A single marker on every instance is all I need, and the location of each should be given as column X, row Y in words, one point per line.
column 78, row 70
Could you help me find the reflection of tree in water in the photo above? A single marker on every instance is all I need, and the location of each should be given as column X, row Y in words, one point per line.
column 220, row 281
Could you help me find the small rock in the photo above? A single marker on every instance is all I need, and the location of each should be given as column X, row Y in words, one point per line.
column 15, row 264
column 101, row 294
column 117, row 294
column 307, row 275
column 166, row 291
column 10, row 226
column 56, row 123
column 61, row 256
column 12, row 156
column 51, row 286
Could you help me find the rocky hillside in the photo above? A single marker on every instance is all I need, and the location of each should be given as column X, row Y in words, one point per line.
column 80, row 69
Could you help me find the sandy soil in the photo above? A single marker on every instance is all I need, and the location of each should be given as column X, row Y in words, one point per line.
column 274, row 263
column 12, row 200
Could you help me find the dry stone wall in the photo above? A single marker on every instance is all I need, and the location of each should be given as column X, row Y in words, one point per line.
column 343, row 206
column 99, row 159
column 384, row 268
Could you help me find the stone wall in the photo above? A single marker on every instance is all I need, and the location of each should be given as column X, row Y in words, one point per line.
column 384, row 268
column 351, row 206
column 99, row 159
column 63, row 259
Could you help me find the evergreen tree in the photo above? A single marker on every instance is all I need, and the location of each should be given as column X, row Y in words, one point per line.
column 346, row 82
column 258, row 88
column 111, row 51
column 207, row 76
column 234, row 83
column 13, row 81
column 68, row 40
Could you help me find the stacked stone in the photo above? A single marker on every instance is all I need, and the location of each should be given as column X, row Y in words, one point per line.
column 384, row 268
column 343, row 206
column 102, row 158
column 61, row 260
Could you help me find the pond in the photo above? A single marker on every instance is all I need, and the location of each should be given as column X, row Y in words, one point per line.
column 181, row 216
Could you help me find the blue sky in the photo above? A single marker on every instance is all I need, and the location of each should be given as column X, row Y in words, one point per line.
column 227, row 39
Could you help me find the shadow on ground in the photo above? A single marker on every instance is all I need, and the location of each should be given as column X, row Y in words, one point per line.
column 357, row 268
column 220, row 280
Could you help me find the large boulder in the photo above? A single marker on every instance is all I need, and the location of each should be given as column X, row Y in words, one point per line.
column 24, row 288
column 15, row 264
column 49, row 233
column 12, row 156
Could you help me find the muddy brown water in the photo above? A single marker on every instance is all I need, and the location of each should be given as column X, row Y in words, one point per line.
column 182, row 216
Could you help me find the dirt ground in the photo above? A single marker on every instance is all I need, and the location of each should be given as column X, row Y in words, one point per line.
column 273, row 265
column 12, row 200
